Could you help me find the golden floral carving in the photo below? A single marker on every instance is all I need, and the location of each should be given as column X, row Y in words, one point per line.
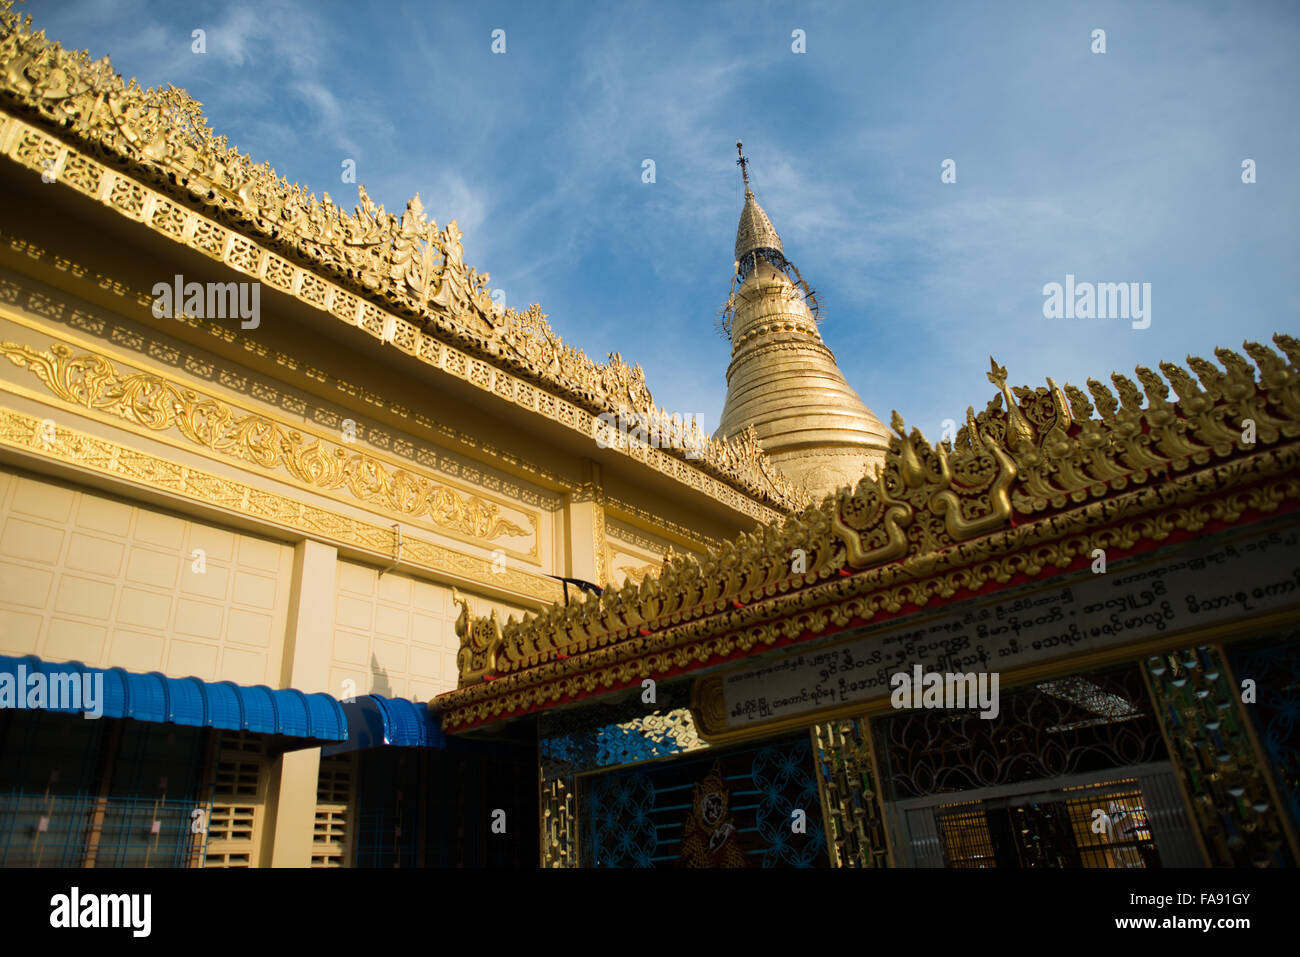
column 93, row 382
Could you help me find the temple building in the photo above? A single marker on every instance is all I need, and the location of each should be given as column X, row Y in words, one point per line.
column 311, row 555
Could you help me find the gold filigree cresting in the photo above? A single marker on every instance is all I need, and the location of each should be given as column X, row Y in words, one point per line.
column 404, row 263
column 93, row 382
column 29, row 435
column 992, row 507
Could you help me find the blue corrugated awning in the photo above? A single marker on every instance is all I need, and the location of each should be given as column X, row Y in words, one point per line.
column 371, row 721
column 187, row 701
column 375, row 721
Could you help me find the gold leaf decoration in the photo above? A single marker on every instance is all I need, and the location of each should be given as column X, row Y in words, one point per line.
column 91, row 381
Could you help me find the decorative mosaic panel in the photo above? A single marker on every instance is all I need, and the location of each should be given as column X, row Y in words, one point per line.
column 855, row 824
column 1201, row 714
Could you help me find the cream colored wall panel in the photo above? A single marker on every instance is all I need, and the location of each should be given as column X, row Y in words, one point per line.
column 68, row 640
column 151, row 567
column 43, row 501
column 202, row 619
column 256, row 553
column 394, row 634
column 255, row 590
column 426, row 664
column 31, row 542
column 353, row 612
column 136, row 651
column 391, row 656
column 351, row 649
column 219, row 545
column 430, row 630
column 90, row 553
column 192, row 658
column 249, row 627
column 212, row 582
column 357, row 579
column 145, row 608
column 158, row 529
column 450, row 674
column 86, row 597
column 340, row 675
column 104, row 515
column 243, row 667
column 21, row 631
column 434, row 598
column 24, row 585
column 395, row 622
column 89, row 578
column 396, row 589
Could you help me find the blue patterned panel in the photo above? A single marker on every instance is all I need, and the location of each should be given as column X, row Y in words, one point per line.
column 656, row 735
column 720, row 808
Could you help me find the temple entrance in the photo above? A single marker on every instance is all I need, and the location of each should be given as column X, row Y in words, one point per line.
column 1102, row 825
column 1072, row 773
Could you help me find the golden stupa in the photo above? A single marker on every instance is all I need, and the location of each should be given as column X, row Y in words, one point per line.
column 783, row 380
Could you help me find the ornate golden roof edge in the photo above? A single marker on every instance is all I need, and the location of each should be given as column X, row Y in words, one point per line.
column 405, row 264
column 837, row 606
column 1024, row 487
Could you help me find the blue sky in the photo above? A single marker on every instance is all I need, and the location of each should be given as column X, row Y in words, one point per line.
column 1115, row 167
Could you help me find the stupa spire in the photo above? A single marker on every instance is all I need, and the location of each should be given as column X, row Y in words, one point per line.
column 783, row 380
column 755, row 235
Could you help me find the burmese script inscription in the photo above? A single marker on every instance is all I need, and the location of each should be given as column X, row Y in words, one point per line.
column 1211, row 581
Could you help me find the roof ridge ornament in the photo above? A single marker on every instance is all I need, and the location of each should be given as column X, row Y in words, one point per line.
column 744, row 167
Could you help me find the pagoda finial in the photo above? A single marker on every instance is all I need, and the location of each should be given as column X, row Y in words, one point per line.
column 755, row 231
column 744, row 166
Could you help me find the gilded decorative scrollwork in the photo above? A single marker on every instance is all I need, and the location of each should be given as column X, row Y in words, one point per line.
column 872, row 523
column 637, row 572
column 94, row 382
